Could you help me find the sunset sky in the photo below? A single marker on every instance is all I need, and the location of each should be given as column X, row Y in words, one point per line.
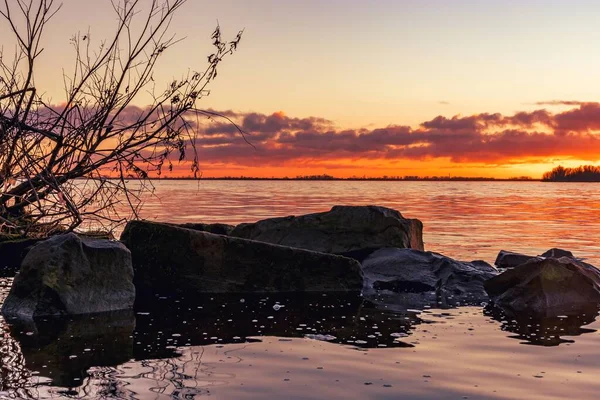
column 383, row 87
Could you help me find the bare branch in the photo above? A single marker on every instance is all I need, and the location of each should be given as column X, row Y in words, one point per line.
column 62, row 167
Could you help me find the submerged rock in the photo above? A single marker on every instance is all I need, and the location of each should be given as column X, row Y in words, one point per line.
column 544, row 284
column 219, row 229
column 68, row 275
column 430, row 275
column 343, row 230
column 170, row 258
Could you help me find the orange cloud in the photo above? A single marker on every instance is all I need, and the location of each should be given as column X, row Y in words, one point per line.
column 487, row 144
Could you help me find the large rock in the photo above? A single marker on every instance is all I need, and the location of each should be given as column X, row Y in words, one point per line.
column 68, row 275
column 413, row 271
column 167, row 258
column 343, row 230
column 543, row 284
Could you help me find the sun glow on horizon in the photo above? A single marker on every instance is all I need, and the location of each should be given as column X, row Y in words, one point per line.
column 425, row 89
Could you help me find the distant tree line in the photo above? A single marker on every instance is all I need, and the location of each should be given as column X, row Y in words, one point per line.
column 584, row 173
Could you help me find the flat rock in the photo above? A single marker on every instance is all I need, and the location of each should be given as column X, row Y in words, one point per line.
column 69, row 275
column 430, row 274
column 343, row 230
column 544, row 284
column 171, row 258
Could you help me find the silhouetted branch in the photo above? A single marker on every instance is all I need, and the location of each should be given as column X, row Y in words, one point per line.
column 54, row 160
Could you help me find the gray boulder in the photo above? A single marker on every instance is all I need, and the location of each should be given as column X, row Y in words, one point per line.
column 430, row 274
column 67, row 275
column 170, row 258
column 543, row 284
column 343, row 230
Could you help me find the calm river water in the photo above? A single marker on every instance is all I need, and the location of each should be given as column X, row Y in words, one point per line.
column 324, row 346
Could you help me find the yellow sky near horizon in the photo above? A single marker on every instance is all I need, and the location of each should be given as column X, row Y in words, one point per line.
column 369, row 66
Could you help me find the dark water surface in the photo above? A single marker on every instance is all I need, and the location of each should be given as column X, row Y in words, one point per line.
column 315, row 346
column 323, row 346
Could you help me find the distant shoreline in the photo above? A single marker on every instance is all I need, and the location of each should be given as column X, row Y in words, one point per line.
column 432, row 179
column 584, row 173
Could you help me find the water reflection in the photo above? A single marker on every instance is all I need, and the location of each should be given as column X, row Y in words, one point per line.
column 63, row 350
column 164, row 324
column 551, row 329
column 400, row 302
column 163, row 348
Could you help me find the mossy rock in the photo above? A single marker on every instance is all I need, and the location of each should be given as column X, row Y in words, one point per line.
column 68, row 275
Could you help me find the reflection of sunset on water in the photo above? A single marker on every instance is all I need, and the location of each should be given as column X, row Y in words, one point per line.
column 454, row 353
column 464, row 220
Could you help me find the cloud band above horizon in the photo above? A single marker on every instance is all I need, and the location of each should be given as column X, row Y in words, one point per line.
column 489, row 139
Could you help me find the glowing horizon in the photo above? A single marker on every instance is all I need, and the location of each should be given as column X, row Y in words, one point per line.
column 344, row 88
